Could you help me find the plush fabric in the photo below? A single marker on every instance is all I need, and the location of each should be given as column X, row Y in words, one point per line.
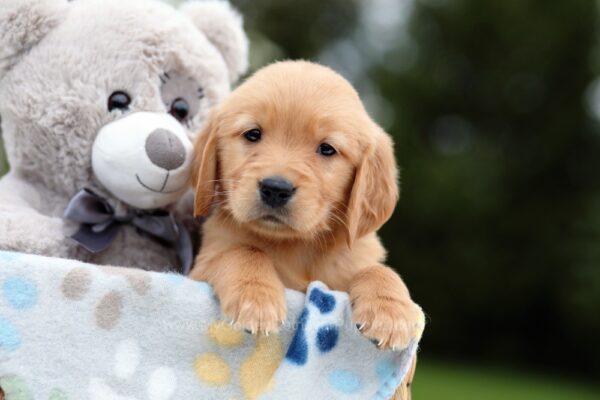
column 60, row 61
column 70, row 330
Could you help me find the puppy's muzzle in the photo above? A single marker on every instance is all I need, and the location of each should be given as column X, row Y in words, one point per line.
column 276, row 191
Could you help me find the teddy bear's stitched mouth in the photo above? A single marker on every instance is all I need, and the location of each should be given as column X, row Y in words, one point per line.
column 162, row 189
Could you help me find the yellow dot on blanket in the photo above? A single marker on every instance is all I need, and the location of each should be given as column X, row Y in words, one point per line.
column 212, row 369
column 224, row 335
column 256, row 373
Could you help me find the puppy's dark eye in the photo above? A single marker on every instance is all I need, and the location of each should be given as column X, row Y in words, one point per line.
column 119, row 100
column 253, row 135
column 180, row 109
column 326, row 150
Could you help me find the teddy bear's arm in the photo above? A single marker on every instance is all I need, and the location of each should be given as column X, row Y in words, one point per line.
column 23, row 228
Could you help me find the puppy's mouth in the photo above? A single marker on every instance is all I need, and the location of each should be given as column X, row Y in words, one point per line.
column 271, row 219
column 161, row 190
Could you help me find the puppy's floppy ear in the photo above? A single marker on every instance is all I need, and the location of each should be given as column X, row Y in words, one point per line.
column 205, row 168
column 224, row 28
column 23, row 23
column 375, row 190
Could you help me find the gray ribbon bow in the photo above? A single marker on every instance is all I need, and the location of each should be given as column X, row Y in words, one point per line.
column 99, row 226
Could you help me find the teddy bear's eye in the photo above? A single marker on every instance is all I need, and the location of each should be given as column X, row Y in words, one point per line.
column 180, row 109
column 119, row 100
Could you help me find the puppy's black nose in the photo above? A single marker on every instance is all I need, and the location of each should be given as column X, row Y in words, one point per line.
column 276, row 191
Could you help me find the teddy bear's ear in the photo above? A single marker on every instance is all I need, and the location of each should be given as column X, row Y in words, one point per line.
column 224, row 27
column 23, row 23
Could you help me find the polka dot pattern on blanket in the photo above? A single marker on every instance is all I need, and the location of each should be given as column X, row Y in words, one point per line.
column 255, row 372
column 57, row 394
column 15, row 388
column 345, row 381
column 20, row 293
column 76, row 283
column 183, row 351
column 212, row 369
column 10, row 339
column 109, row 309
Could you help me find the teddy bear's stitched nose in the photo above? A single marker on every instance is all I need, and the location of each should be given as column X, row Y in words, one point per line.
column 165, row 149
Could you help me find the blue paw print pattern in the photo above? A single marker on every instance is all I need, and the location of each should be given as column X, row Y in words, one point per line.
column 323, row 301
column 20, row 293
column 327, row 351
column 327, row 338
column 327, row 335
column 10, row 339
column 298, row 351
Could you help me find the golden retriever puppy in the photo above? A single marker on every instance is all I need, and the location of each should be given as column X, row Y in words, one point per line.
column 296, row 179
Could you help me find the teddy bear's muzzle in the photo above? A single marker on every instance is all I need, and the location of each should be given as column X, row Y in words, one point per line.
column 165, row 150
column 143, row 159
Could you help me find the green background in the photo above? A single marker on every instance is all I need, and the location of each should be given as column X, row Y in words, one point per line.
column 495, row 107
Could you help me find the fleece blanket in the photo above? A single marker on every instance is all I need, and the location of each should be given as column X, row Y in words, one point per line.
column 70, row 330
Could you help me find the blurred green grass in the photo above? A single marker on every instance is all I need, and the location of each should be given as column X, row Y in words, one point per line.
column 3, row 162
column 438, row 380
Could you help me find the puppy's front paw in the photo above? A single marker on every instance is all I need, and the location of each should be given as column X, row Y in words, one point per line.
column 259, row 308
column 391, row 323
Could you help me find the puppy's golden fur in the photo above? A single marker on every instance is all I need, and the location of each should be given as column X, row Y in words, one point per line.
column 326, row 232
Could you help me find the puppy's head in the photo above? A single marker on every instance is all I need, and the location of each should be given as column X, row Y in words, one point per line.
column 292, row 154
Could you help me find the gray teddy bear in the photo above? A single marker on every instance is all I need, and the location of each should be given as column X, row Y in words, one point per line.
column 99, row 102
